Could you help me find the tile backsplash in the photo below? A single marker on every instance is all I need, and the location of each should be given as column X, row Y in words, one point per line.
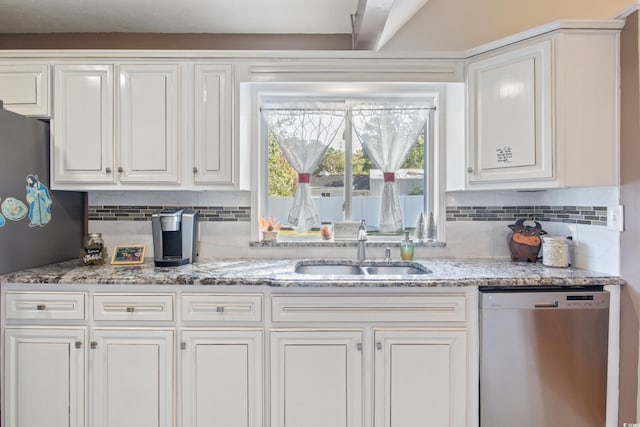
column 476, row 225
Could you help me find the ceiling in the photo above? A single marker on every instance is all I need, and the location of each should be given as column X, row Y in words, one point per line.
column 375, row 21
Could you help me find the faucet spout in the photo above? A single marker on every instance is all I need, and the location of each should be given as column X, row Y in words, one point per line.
column 362, row 241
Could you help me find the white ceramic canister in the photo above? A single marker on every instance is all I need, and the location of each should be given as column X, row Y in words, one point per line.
column 555, row 251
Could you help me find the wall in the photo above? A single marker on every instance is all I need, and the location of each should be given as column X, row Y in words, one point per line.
column 176, row 41
column 630, row 238
column 226, row 232
column 463, row 24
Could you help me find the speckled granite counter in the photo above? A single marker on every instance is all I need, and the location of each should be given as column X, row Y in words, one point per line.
column 280, row 273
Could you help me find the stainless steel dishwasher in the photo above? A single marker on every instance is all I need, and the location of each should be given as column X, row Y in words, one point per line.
column 543, row 357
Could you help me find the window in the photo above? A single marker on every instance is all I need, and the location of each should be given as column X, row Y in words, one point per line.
column 347, row 182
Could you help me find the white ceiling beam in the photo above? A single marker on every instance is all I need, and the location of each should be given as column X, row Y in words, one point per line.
column 401, row 13
column 369, row 21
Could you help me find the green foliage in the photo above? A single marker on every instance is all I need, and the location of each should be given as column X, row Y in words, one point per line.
column 362, row 164
column 332, row 162
column 415, row 159
column 282, row 177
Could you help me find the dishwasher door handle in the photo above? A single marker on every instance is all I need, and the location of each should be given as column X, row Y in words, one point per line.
column 546, row 304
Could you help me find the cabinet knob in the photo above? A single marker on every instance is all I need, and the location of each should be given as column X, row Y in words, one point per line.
column 41, row 307
column 378, row 346
column 78, row 344
column 220, row 309
column 359, row 346
column 183, row 346
column 120, row 169
column 195, row 169
column 130, row 309
column 93, row 345
column 469, row 169
column 108, row 170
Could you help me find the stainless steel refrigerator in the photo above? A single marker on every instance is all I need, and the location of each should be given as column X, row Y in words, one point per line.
column 37, row 226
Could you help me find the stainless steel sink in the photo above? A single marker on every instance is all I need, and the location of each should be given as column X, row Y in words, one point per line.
column 328, row 269
column 397, row 269
column 349, row 268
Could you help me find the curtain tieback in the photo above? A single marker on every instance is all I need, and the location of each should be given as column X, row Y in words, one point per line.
column 389, row 176
column 304, row 178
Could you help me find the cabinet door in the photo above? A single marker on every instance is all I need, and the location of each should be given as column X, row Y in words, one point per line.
column 83, row 126
column 510, row 113
column 24, row 88
column 420, row 375
column 316, row 379
column 213, row 151
column 149, row 123
column 132, row 378
column 44, row 377
column 221, row 378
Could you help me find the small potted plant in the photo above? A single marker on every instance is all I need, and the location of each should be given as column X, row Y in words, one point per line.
column 269, row 228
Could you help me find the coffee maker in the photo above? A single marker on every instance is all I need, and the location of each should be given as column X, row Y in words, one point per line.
column 175, row 236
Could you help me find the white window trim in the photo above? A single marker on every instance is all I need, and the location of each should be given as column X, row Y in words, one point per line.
column 254, row 128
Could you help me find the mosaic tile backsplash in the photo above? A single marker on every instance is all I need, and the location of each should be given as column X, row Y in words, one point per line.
column 588, row 215
column 143, row 213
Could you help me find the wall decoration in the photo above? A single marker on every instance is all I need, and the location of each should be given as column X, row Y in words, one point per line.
column 14, row 209
column 128, row 254
column 39, row 201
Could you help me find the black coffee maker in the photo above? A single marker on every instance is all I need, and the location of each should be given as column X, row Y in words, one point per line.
column 175, row 236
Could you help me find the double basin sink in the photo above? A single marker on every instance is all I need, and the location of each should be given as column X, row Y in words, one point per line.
column 363, row 268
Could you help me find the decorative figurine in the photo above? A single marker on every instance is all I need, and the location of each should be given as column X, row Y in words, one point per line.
column 524, row 241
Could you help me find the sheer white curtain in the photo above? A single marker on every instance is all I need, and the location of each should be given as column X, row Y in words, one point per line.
column 304, row 135
column 387, row 134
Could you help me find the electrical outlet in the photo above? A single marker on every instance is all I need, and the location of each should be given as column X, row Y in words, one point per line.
column 615, row 218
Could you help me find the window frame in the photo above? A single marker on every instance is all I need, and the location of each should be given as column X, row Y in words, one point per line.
column 255, row 94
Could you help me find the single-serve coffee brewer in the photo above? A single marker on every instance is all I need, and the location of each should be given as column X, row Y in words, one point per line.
column 175, row 237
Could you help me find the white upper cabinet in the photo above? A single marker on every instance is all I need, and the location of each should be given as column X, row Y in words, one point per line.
column 107, row 138
column 149, row 123
column 83, row 144
column 510, row 115
column 544, row 112
column 213, row 143
column 24, row 88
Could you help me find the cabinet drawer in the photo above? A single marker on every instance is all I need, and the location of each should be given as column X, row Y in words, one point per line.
column 236, row 308
column 45, row 305
column 378, row 308
column 133, row 307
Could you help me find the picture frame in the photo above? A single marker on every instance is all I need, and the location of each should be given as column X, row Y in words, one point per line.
column 128, row 254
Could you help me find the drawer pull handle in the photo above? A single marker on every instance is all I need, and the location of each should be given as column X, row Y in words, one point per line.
column 108, row 170
column 130, row 309
column 378, row 346
column 78, row 344
column 41, row 307
column 220, row 309
column 93, row 345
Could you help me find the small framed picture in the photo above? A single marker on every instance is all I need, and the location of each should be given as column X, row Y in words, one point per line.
column 128, row 254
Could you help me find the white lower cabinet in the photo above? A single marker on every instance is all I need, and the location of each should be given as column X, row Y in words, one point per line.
column 221, row 378
column 316, row 379
column 44, row 377
column 196, row 359
column 132, row 378
column 420, row 375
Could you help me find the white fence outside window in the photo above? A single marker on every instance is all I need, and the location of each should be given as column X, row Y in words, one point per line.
column 364, row 207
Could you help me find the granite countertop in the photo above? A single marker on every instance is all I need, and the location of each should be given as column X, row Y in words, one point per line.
column 280, row 273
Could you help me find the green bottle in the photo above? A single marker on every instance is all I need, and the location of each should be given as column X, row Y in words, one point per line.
column 406, row 248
